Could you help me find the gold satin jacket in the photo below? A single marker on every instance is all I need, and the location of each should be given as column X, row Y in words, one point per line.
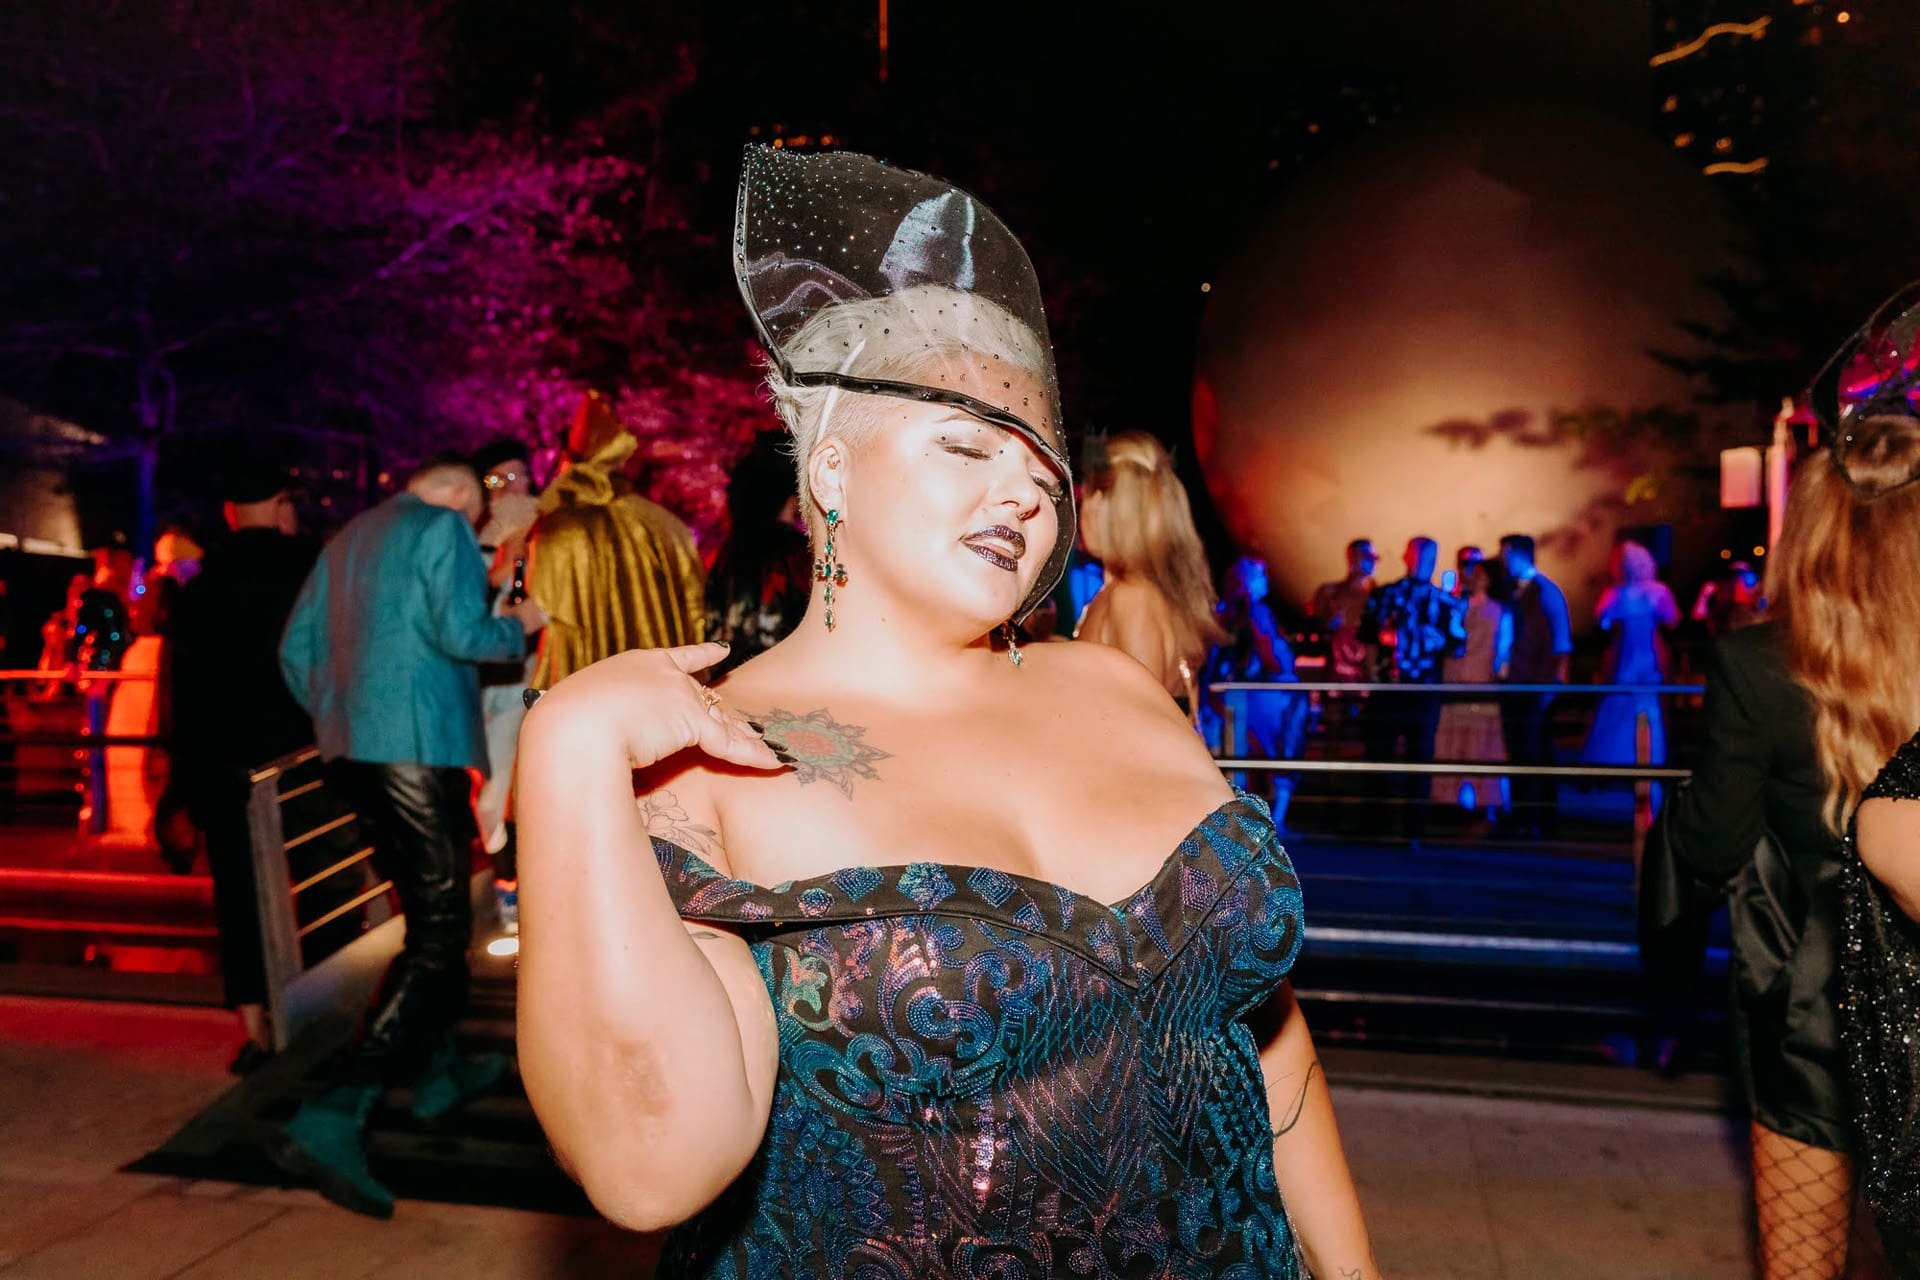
column 612, row 570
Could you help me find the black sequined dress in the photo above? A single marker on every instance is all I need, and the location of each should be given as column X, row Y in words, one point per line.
column 1880, row 1027
column 985, row 1076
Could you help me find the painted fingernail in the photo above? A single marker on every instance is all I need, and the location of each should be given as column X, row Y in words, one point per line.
column 775, row 743
column 530, row 696
column 756, row 726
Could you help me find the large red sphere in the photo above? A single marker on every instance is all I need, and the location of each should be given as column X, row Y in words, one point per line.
column 1388, row 353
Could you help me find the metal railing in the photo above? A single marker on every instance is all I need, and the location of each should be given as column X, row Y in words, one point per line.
column 327, row 923
column 109, row 740
column 1642, row 771
column 1459, row 891
column 1484, row 690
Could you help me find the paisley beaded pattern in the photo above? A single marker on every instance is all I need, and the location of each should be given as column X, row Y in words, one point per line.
column 1880, row 1021
column 986, row 1076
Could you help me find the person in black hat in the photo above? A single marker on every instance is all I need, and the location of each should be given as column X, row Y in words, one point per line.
column 232, row 710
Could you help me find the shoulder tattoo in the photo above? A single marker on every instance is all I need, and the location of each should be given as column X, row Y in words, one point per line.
column 667, row 819
column 819, row 748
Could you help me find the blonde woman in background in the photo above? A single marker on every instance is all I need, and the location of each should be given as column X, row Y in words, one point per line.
column 1158, row 603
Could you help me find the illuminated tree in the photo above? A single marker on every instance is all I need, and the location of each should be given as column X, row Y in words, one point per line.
column 250, row 215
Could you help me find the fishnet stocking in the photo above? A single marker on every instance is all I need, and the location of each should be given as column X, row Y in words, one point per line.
column 1804, row 1196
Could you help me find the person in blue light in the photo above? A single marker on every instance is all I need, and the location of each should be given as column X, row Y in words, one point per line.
column 1245, row 723
column 1542, row 649
column 1634, row 610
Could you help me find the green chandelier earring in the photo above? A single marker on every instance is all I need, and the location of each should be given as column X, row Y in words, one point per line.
column 828, row 568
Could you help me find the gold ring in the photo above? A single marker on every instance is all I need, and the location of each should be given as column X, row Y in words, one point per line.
column 709, row 697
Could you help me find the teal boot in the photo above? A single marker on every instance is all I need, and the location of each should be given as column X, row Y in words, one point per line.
column 452, row 1079
column 324, row 1146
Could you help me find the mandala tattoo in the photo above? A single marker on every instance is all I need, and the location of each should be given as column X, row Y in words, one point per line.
column 668, row 820
column 818, row 747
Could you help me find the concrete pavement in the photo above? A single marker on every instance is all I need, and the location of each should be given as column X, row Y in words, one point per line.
column 1455, row 1186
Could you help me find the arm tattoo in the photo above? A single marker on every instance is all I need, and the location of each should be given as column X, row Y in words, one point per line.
column 818, row 748
column 1350, row 1273
column 1299, row 1103
column 667, row 820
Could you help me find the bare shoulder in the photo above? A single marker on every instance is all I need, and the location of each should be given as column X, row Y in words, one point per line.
column 1095, row 670
column 1093, row 619
column 1118, row 701
column 1888, row 833
column 1123, row 721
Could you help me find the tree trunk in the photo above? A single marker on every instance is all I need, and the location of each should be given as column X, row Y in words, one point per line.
column 146, row 463
column 153, row 407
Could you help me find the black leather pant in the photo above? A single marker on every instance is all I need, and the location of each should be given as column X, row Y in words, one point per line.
column 420, row 824
column 236, row 898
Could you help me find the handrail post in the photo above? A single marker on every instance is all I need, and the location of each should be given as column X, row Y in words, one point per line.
column 279, row 929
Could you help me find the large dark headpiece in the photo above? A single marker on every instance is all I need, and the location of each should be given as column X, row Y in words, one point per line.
column 1874, row 374
column 871, row 278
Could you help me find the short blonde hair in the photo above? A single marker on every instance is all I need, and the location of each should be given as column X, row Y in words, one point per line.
column 890, row 338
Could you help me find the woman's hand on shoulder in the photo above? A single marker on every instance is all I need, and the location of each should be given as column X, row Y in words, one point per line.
column 649, row 703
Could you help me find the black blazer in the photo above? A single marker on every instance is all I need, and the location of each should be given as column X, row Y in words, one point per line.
column 1757, row 777
column 1758, row 771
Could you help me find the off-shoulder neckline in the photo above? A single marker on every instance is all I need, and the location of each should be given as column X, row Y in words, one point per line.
column 965, row 871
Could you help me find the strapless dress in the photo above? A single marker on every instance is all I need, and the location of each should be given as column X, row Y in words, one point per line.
column 990, row 1077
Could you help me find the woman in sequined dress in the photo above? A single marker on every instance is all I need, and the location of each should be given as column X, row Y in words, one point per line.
column 1848, row 587
column 950, row 960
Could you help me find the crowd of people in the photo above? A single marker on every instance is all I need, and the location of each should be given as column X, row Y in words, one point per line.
column 404, row 649
column 943, row 1035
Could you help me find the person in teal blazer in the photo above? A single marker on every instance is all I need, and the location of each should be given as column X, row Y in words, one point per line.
column 383, row 650
column 385, row 642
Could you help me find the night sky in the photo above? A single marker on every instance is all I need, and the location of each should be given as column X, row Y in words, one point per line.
column 1134, row 148
column 1131, row 146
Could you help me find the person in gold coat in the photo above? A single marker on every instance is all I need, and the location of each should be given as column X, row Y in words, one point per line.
column 612, row 570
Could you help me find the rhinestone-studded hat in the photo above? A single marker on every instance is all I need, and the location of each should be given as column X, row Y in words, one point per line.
column 817, row 231
column 1874, row 374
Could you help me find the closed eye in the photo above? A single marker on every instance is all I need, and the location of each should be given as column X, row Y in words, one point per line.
column 1048, row 485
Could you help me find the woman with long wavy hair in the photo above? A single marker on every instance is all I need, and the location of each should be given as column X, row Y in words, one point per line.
column 1804, row 713
column 1158, row 602
column 1847, row 583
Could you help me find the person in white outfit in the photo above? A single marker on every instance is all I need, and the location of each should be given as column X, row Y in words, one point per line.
column 507, row 474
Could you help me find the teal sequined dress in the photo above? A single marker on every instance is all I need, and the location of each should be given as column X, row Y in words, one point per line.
column 989, row 1077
